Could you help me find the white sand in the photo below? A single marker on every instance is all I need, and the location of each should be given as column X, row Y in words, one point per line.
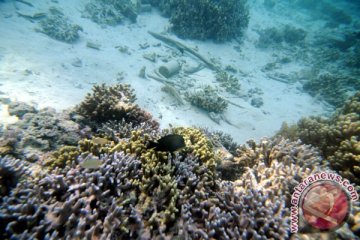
column 37, row 69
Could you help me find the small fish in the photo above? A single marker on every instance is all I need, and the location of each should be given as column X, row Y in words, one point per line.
column 91, row 162
column 100, row 141
column 168, row 143
column 223, row 153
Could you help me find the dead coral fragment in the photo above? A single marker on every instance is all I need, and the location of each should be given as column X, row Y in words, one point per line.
column 208, row 99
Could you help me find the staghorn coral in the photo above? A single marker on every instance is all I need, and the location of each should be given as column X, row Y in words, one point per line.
column 208, row 99
column 208, row 19
column 57, row 26
column 337, row 137
column 112, row 103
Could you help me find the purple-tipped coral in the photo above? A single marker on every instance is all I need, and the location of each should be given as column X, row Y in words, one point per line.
column 276, row 166
column 76, row 203
column 10, row 172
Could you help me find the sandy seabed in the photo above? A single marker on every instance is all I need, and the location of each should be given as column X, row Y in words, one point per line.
column 39, row 70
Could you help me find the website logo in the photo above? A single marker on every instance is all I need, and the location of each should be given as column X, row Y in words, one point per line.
column 322, row 201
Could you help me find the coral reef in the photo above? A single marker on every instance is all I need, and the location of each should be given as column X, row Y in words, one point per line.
column 141, row 194
column 332, row 88
column 110, row 12
column 37, row 132
column 208, row 99
column 277, row 165
column 113, row 103
column 337, row 137
column 207, row 19
column 57, row 26
column 137, row 192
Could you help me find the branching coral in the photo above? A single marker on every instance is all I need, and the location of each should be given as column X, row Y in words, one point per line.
column 57, row 26
column 10, row 172
column 229, row 82
column 208, row 99
column 113, row 103
column 336, row 137
column 277, row 165
column 110, row 12
column 77, row 203
column 207, row 19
